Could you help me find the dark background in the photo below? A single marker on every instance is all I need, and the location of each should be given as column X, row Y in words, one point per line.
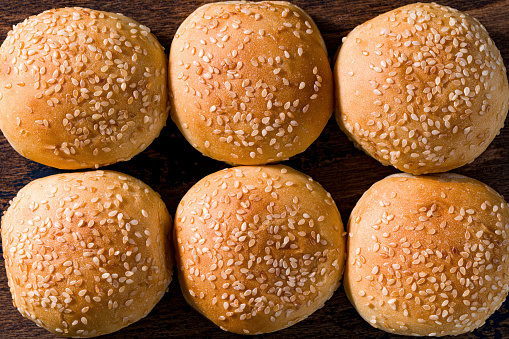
column 171, row 166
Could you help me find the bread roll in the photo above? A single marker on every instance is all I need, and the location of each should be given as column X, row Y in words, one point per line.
column 250, row 82
column 87, row 253
column 428, row 255
column 258, row 248
column 81, row 88
column 422, row 88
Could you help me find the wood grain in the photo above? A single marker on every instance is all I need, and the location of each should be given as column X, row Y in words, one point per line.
column 171, row 166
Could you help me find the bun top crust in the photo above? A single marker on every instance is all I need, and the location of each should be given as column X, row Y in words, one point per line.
column 250, row 82
column 259, row 248
column 428, row 255
column 422, row 88
column 87, row 253
column 81, row 88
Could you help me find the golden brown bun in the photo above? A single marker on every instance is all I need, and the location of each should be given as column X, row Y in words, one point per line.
column 250, row 82
column 422, row 88
column 81, row 88
column 258, row 248
column 428, row 255
column 87, row 253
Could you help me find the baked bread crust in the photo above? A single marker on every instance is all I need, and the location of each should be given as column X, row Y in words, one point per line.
column 250, row 82
column 87, row 253
column 81, row 88
column 427, row 255
column 258, row 248
column 422, row 88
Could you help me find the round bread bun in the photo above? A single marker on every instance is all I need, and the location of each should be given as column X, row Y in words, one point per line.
column 422, row 88
column 250, row 82
column 81, row 88
column 428, row 255
column 258, row 248
column 87, row 253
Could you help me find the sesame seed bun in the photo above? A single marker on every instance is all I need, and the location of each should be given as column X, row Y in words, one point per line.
column 422, row 88
column 87, row 253
column 428, row 255
column 81, row 88
column 250, row 82
column 258, row 248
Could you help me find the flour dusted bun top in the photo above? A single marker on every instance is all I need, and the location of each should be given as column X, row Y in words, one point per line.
column 250, row 82
column 422, row 87
column 81, row 88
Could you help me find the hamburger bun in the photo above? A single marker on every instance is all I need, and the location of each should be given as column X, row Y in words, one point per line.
column 258, row 248
column 250, row 82
column 428, row 255
column 422, row 88
column 87, row 253
column 81, row 88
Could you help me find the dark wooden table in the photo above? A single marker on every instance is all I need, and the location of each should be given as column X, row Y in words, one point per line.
column 171, row 166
